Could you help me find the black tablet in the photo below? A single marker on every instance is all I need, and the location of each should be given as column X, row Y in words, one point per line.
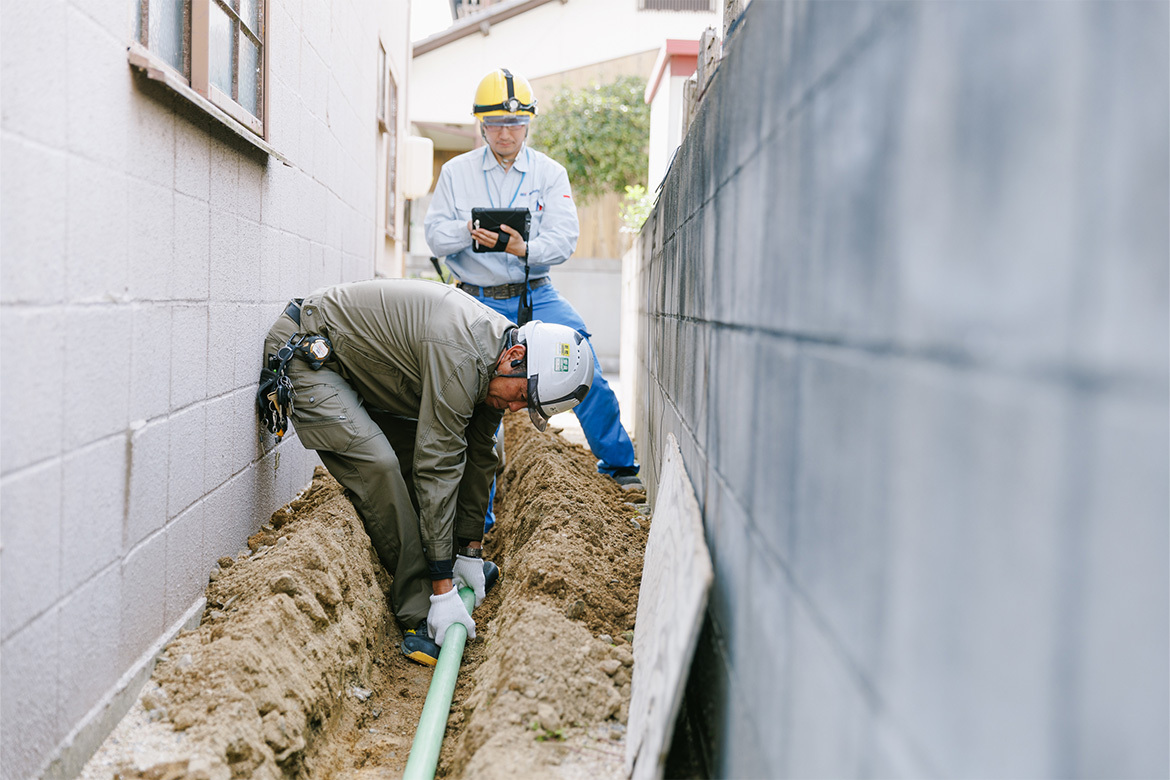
column 491, row 219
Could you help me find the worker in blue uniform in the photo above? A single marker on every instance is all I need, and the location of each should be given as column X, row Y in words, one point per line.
column 507, row 173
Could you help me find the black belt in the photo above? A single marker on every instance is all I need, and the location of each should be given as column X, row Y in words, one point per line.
column 293, row 310
column 503, row 291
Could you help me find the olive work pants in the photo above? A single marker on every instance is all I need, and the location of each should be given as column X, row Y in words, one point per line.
column 370, row 453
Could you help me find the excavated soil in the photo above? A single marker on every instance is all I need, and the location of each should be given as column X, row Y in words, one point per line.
column 294, row 671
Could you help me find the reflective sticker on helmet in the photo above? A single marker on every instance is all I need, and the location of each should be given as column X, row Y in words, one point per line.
column 561, row 364
column 565, row 349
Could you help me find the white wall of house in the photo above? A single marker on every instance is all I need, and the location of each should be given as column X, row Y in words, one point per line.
column 533, row 44
column 145, row 252
column 666, row 130
column 394, row 33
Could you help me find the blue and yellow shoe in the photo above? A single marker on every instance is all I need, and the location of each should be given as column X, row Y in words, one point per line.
column 417, row 644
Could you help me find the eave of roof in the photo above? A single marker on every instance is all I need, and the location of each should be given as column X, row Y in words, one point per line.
column 479, row 22
column 672, row 48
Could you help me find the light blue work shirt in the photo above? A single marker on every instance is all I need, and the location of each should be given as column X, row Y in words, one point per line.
column 476, row 179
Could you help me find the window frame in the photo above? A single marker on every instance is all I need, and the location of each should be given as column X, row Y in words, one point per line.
column 195, row 85
column 669, row 6
column 389, row 126
column 200, row 59
column 383, row 86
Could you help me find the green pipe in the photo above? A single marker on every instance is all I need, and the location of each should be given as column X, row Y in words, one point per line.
column 428, row 737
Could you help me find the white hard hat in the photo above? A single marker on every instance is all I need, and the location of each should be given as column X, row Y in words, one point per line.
column 560, row 369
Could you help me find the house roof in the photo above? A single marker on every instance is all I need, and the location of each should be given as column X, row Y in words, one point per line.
column 478, row 22
column 680, row 56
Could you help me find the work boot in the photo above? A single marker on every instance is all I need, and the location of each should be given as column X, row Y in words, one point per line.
column 627, row 479
column 418, row 646
column 491, row 573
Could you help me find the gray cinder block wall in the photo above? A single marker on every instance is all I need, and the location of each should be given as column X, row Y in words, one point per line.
column 905, row 309
column 145, row 253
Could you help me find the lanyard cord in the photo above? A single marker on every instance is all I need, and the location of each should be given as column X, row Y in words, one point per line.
column 487, row 186
column 524, row 310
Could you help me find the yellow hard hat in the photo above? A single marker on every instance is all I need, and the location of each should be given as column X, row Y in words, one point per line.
column 504, row 95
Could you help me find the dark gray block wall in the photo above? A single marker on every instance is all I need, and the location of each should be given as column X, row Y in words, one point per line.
column 904, row 304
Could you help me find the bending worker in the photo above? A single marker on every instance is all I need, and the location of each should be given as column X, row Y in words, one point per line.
column 507, row 173
column 399, row 386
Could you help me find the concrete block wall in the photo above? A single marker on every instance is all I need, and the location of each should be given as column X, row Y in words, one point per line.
column 146, row 251
column 905, row 307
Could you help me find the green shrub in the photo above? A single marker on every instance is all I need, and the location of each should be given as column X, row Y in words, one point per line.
column 599, row 133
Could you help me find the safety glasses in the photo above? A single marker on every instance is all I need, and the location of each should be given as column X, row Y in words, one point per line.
column 496, row 123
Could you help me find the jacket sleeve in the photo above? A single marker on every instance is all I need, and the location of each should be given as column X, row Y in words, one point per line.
column 440, row 454
column 557, row 239
column 446, row 231
column 478, row 474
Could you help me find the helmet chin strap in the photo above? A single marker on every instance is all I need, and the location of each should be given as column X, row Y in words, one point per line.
column 515, row 363
column 509, row 161
column 523, row 375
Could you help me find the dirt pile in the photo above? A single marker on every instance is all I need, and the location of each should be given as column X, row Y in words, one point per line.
column 287, row 642
column 295, row 670
column 552, row 696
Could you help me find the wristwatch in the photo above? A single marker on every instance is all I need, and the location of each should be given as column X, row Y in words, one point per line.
column 470, row 552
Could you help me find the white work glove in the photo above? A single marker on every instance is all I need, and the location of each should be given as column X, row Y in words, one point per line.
column 469, row 574
column 447, row 610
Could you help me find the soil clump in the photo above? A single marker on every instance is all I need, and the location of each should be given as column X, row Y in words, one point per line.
column 295, row 671
column 552, row 695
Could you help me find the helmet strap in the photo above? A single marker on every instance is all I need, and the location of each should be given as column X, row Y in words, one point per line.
column 506, row 163
column 522, row 363
column 524, row 310
column 511, row 86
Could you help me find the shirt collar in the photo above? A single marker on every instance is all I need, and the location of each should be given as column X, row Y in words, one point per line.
column 521, row 163
column 491, row 163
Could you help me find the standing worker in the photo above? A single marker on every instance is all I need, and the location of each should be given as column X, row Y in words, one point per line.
column 507, row 173
column 400, row 386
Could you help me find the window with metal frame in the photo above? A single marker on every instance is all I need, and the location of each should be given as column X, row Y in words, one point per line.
column 217, row 47
column 383, row 75
column 391, row 127
column 703, row 6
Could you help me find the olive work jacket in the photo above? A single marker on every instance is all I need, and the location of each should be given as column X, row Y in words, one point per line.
column 426, row 351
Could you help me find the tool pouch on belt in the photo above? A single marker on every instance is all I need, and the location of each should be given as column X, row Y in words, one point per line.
column 274, row 399
column 274, row 396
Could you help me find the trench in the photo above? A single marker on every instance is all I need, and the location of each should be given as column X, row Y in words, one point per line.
column 294, row 671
